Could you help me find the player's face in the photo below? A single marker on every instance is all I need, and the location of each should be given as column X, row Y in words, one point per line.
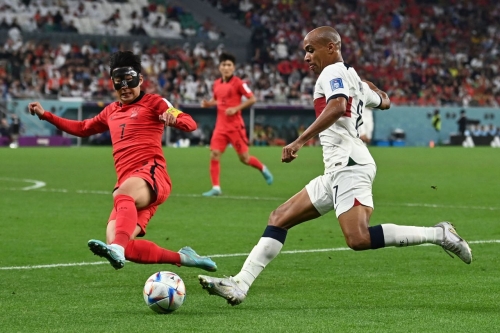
column 127, row 95
column 226, row 68
column 316, row 55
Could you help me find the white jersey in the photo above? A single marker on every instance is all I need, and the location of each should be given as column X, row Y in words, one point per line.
column 340, row 142
column 367, row 127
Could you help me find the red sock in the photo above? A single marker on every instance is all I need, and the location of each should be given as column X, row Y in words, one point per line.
column 126, row 219
column 254, row 162
column 215, row 172
column 145, row 252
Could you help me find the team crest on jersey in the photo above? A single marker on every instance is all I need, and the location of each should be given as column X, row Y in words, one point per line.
column 336, row 84
column 134, row 113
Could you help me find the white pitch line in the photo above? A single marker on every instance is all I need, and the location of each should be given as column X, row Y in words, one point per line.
column 439, row 206
column 37, row 183
column 335, row 249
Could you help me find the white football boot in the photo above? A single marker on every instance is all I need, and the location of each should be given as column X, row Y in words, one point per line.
column 226, row 288
column 452, row 242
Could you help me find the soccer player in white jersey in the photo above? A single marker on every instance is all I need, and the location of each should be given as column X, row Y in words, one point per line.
column 346, row 186
column 365, row 130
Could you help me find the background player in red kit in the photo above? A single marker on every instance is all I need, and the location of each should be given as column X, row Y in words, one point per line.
column 136, row 123
column 229, row 127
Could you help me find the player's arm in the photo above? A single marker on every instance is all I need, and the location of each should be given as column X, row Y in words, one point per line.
column 243, row 90
column 333, row 110
column 174, row 117
column 178, row 119
column 331, row 113
column 385, row 102
column 249, row 102
column 83, row 128
column 212, row 102
column 209, row 103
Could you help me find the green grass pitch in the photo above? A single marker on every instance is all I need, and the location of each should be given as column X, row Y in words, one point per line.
column 416, row 289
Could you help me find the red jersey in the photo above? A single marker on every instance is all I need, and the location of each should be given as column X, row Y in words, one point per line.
column 135, row 128
column 228, row 94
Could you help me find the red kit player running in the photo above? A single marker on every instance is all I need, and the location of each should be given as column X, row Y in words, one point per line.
column 136, row 123
column 229, row 127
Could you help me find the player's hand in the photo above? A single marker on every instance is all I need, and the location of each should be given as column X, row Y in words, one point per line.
column 36, row 109
column 205, row 104
column 289, row 152
column 231, row 111
column 168, row 118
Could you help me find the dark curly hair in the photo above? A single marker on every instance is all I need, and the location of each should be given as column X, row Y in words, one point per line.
column 124, row 59
column 227, row 56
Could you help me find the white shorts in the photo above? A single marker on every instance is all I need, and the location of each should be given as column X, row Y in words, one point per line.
column 338, row 190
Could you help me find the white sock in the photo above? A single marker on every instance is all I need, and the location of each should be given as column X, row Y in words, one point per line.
column 399, row 235
column 216, row 187
column 118, row 248
column 262, row 254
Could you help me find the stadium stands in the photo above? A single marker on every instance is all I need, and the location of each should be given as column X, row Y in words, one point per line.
column 421, row 53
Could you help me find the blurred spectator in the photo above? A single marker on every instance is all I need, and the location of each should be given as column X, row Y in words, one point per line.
column 436, row 120
column 476, row 130
column 4, row 128
column 483, row 130
column 270, row 135
column 259, row 136
column 462, row 122
column 492, row 131
column 444, row 54
column 137, row 30
column 197, row 137
column 14, row 130
column 301, row 130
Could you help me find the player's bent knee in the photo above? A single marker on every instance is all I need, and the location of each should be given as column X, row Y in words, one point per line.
column 215, row 155
column 244, row 159
column 357, row 243
column 276, row 219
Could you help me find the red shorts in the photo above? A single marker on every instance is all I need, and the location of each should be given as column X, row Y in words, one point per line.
column 158, row 179
column 238, row 139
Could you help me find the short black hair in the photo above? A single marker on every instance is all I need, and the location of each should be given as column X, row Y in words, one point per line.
column 124, row 59
column 227, row 56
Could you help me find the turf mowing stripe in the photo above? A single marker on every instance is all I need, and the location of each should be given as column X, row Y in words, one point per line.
column 248, row 198
column 335, row 249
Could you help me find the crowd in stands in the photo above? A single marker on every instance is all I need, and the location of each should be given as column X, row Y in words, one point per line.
column 421, row 54
column 107, row 17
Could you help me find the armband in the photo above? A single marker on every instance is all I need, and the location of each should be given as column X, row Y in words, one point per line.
column 173, row 111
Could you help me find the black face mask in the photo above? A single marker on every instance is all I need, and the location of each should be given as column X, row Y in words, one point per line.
column 120, row 73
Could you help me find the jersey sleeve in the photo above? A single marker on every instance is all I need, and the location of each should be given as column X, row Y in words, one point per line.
column 184, row 121
column 373, row 99
column 84, row 128
column 159, row 104
column 334, row 83
column 243, row 89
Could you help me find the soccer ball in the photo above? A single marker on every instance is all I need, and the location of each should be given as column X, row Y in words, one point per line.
column 164, row 292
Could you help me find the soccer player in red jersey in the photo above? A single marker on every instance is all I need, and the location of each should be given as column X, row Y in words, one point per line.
column 229, row 127
column 136, row 123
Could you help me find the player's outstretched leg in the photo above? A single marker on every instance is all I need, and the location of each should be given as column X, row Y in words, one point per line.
column 268, row 176
column 454, row 243
column 226, row 288
column 214, row 176
column 214, row 191
column 111, row 252
column 190, row 258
